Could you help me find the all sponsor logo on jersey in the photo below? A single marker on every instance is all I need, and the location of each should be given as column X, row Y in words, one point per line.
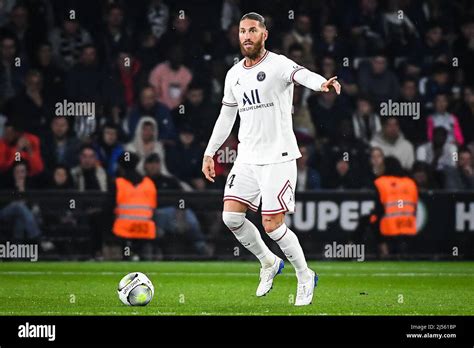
column 251, row 101
column 254, row 97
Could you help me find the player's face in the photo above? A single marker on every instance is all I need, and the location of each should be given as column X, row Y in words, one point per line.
column 252, row 38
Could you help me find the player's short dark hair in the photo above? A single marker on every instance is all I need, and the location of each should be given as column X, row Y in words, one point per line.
column 256, row 17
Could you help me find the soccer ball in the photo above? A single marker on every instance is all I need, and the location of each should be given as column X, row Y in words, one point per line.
column 135, row 289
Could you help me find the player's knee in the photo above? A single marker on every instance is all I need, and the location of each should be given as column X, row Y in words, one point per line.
column 270, row 224
column 232, row 220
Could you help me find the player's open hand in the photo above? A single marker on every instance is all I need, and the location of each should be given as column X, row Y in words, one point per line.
column 331, row 82
column 208, row 168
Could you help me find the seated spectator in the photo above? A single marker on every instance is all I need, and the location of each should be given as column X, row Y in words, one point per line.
column 68, row 41
column 330, row 43
column 439, row 82
column 422, row 173
column 392, row 142
column 145, row 142
column 30, row 106
column 18, row 180
column 342, row 176
column 59, row 146
column 53, row 76
column 11, row 75
column 19, row 215
column 196, row 113
column 108, row 148
column 167, row 217
column 438, row 153
column 326, row 113
column 364, row 120
column 377, row 80
column 441, row 117
column 302, row 123
column 171, row 79
column 464, row 50
column 309, row 179
column 17, row 145
column 157, row 18
column 89, row 175
column 185, row 158
column 227, row 48
column 114, row 38
column 376, row 163
column 414, row 130
column 61, row 178
column 466, row 115
column 462, row 177
column 301, row 34
column 148, row 106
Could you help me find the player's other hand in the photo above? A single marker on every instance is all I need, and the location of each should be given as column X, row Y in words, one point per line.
column 208, row 168
column 331, row 82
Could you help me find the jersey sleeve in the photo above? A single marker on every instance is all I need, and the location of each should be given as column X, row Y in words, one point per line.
column 228, row 99
column 288, row 69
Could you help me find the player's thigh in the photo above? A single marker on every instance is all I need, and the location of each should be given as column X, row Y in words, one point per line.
column 277, row 183
column 241, row 189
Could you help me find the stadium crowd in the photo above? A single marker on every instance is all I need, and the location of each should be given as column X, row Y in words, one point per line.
column 153, row 73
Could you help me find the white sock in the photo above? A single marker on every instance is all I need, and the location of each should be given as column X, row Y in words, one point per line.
column 249, row 236
column 289, row 244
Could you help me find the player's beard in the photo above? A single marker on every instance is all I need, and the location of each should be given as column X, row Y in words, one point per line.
column 253, row 52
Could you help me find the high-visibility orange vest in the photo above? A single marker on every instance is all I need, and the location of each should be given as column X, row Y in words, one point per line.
column 399, row 196
column 134, row 210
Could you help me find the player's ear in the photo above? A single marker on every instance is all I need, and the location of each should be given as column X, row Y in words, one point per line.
column 265, row 35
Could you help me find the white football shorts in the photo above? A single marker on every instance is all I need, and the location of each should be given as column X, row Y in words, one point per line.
column 272, row 184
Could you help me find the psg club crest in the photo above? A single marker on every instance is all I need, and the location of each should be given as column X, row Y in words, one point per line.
column 261, row 76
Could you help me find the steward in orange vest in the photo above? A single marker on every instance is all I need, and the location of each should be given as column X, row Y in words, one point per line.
column 135, row 201
column 395, row 210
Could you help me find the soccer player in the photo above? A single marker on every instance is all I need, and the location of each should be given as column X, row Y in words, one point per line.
column 260, row 88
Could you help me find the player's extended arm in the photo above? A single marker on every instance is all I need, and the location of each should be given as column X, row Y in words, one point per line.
column 315, row 81
column 221, row 131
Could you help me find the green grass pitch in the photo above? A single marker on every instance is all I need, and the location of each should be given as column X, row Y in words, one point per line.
column 228, row 288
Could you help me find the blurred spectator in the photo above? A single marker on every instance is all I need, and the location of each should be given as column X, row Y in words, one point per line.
column 68, row 42
column 378, row 80
column 365, row 121
column 108, row 148
column 168, row 218
column 148, row 106
column 27, row 36
column 308, row 178
column 19, row 215
column 59, row 146
column 344, row 159
column 422, row 173
column 376, row 162
column 184, row 159
column 414, row 130
column 443, row 118
column 157, row 17
column 434, row 49
column 439, row 153
column 171, row 79
column 53, row 77
column 19, row 180
column 399, row 31
column 326, row 113
column 344, row 75
column 466, row 114
column 461, row 177
column 17, row 145
column 148, row 52
column 145, row 142
column 11, row 73
column 114, row 38
column 5, row 11
column 392, row 142
column 30, row 107
column 89, row 175
column 126, row 77
column 302, row 123
column 301, row 34
column 438, row 82
column 331, row 43
column 196, row 113
column 366, row 27
column 230, row 13
column 463, row 49
column 227, row 48
column 60, row 178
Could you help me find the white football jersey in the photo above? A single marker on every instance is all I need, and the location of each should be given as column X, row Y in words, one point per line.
column 264, row 96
